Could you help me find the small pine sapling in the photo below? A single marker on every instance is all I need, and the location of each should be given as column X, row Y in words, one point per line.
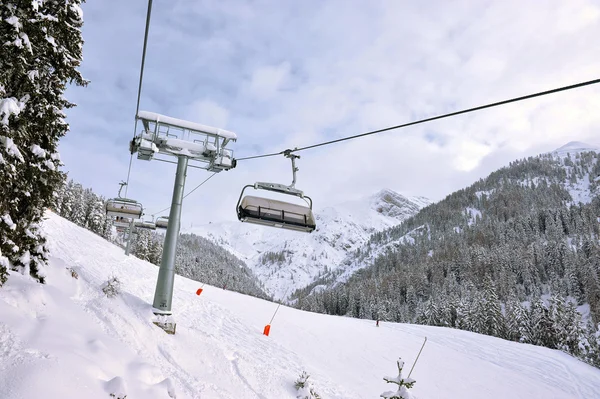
column 305, row 388
column 403, row 384
column 112, row 287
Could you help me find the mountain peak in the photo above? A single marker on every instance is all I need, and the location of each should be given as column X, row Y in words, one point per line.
column 574, row 147
column 390, row 203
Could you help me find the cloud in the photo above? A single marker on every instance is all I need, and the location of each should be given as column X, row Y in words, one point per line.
column 267, row 81
column 292, row 74
column 207, row 111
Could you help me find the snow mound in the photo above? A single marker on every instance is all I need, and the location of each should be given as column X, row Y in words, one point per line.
column 66, row 339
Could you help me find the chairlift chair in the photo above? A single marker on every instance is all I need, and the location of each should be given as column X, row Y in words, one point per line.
column 144, row 224
column 162, row 222
column 123, row 207
column 275, row 213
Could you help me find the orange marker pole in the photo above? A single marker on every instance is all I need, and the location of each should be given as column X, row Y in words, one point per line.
column 268, row 326
column 199, row 291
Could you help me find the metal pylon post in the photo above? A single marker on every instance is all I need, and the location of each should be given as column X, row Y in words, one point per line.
column 163, row 296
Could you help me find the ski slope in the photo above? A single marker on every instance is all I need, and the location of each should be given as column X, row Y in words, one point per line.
column 65, row 339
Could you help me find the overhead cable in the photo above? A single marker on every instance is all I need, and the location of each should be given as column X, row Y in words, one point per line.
column 465, row 111
column 194, row 189
column 139, row 94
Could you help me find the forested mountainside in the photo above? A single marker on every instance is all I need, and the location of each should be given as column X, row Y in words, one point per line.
column 202, row 260
column 511, row 256
column 197, row 258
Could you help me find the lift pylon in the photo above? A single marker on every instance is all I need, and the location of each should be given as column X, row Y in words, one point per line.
column 192, row 144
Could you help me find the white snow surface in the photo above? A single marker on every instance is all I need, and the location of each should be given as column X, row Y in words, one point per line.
column 14, row 21
column 9, row 106
column 340, row 231
column 65, row 339
column 154, row 117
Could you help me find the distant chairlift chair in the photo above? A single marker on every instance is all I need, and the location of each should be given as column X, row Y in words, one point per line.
column 144, row 224
column 123, row 209
column 162, row 222
column 274, row 213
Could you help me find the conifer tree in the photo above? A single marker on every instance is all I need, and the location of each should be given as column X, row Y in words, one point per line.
column 404, row 384
column 41, row 47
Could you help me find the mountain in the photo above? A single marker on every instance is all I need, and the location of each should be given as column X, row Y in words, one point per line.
column 285, row 260
column 515, row 255
column 66, row 339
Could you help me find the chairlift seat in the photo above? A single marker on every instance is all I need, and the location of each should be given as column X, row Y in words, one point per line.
column 124, row 224
column 269, row 212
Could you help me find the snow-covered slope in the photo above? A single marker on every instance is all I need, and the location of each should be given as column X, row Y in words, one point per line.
column 287, row 260
column 65, row 339
column 582, row 189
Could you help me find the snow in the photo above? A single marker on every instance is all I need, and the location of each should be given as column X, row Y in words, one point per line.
column 8, row 107
column 472, row 214
column 487, row 193
column 185, row 145
column 49, row 164
column 51, row 40
column 32, row 75
column 8, row 220
column 154, row 117
column 38, row 151
column 26, row 42
column 77, row 10
column 14, row 21
column 65, row 339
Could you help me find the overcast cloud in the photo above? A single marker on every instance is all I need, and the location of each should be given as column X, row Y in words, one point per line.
column 283, row 74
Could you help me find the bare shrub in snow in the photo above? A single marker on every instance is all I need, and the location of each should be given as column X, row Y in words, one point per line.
column 73, row 273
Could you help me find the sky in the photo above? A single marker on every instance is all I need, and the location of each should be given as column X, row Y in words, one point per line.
column 288, row 74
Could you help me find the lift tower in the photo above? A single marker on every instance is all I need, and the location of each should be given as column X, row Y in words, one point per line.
column 194, row 145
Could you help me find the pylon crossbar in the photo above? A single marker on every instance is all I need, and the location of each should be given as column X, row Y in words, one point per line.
column 176, row 137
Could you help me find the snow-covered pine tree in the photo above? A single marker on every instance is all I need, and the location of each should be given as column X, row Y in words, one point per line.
column 41, row 47
column 141, row 243
column 491, row 311
column 305, row 388
column 403, row 384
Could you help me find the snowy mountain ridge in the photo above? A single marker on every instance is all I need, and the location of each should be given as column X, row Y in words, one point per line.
column 573, row 148
column 579, row 185
column 287, row 260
